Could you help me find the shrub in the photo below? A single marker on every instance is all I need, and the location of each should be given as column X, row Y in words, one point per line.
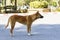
column 35, row 4
column 44, row 4
column 57, row 9
column 53, row 3
column 38, row 4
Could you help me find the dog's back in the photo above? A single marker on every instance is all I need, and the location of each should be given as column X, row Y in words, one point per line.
column 26, row 20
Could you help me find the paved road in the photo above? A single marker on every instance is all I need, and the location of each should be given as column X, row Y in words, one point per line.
column 39, row 32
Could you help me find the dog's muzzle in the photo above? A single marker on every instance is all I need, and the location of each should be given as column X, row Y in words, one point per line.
column 41, row 17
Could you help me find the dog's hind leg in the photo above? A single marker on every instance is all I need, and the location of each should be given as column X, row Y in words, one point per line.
column 12, row 27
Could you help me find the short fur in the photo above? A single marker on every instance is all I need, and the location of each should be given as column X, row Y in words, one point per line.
column 26, row 20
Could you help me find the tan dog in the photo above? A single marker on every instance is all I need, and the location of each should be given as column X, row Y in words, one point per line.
column 26, row 20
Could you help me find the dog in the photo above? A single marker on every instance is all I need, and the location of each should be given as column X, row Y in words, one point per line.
column 25, row 20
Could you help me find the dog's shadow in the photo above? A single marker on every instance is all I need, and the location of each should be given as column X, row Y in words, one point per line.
column 23, row 29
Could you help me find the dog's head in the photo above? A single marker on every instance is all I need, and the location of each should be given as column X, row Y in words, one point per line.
column 38, row 15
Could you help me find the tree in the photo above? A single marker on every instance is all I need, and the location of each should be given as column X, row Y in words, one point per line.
column 59, row 2
column 28, row 1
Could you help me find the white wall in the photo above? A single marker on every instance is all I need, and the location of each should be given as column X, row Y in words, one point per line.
column 49, row 18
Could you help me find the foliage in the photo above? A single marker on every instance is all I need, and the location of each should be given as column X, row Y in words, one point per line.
column 48, row 0
column 44, row 4
column 41, row 0
column 59, row 2
column 28, row 1
column 53, row 3
column 38, row 4
column 20, row 2
column 35, row 4
column 57, row 9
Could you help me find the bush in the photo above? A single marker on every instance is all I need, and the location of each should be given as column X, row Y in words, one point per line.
column 38, row 4
column 35, row 4
column 20, row 2
column 53, row 3
column 57, row 9
column 44, row 4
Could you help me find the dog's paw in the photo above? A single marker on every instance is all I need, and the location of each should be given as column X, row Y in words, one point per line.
column 29, row 34
column 11, row 35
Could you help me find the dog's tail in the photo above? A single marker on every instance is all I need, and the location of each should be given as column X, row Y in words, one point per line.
column 7, row 23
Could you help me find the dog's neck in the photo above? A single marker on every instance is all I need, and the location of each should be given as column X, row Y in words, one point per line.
column 34, row 17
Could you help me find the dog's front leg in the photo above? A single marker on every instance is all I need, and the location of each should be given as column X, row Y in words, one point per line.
column 29, row 22
column 29, row 29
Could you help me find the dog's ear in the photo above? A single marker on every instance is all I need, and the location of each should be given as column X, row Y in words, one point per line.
column 37, row 11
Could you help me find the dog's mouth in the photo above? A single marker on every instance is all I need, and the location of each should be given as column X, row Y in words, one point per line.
column 41, row 17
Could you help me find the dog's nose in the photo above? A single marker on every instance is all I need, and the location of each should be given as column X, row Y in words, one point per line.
column 41, row 17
